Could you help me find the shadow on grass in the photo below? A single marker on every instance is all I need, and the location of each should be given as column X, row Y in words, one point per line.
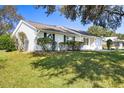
column 1, row 66
column 92, row 66
column 2, row 62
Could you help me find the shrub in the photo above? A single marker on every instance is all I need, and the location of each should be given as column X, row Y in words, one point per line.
column 109, row 43
column 78, row 45
column 46, row 43
column 71, row 45
column 63, row 45
column 7, row 43
column 54, row 43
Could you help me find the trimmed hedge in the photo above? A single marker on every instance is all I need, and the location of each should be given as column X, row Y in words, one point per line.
column 6, row 43
column 71, row 45
column 47, row 44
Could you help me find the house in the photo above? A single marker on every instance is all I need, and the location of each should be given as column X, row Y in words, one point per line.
column 32, row 31
column 117, row 43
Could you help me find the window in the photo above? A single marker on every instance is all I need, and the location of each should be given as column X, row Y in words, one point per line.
column 52, row 36
column 85, row 41
column 67, row 38
column 123, row 44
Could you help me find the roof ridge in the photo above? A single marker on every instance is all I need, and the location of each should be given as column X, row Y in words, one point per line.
column 40, row 23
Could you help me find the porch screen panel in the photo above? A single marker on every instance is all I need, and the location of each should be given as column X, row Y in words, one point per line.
column 86, row 41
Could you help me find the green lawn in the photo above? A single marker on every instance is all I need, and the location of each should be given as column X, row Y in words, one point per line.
column 69, row 69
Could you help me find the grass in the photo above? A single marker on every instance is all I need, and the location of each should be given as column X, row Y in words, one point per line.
column 67, row 69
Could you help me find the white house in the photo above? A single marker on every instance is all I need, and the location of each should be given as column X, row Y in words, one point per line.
column 117, row 43
column 34, row 30
column 120, row 44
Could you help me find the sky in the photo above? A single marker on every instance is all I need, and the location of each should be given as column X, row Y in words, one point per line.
column 38, row 15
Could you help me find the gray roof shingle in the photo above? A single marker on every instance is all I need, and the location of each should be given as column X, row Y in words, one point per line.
column 61, row 29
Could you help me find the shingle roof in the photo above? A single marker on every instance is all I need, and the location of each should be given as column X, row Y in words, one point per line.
column 61, row 29
column 45, row 27
column 84, row 33
column 81, row 32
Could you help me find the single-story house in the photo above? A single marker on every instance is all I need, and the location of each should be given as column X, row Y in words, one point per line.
column 33, row 30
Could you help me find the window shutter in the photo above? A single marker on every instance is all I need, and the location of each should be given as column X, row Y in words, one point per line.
column 64, row 38
column 45, row 34
column 53, row 37
column 73, row 38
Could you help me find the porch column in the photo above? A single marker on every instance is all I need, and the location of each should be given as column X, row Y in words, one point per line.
column 89, row 41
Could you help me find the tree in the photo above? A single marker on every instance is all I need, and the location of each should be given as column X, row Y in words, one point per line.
column 97, row 30
column 107, row 16
column 120, row 36
column 100, row 31
column 109, row 43
column 8, row 18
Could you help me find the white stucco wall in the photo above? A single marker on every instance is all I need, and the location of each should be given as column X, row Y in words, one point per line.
column 78, row 38
column 59, row 38
column 121, row 45
column 98, row 43
column 38, row 47
column 30, row 33
column 93, row 44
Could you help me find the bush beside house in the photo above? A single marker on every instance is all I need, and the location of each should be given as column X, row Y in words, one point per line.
column 70, row 45
column 7, row 43
column 46, row 43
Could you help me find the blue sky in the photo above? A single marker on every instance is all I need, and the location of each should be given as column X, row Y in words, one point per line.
column 38, row 15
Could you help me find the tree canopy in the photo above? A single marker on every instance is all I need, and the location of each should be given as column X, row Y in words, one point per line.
column 107, row 16
column 100, row 31
column 120, row 36
column 8, row 18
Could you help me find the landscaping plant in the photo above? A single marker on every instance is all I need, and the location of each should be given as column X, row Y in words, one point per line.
column 7, row 43
column 109, row 43
column 46, row 43
column 70, row 45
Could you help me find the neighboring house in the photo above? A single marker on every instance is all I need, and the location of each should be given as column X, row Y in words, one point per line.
column 112, row 38
column 117, row 43
column 32, row 31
